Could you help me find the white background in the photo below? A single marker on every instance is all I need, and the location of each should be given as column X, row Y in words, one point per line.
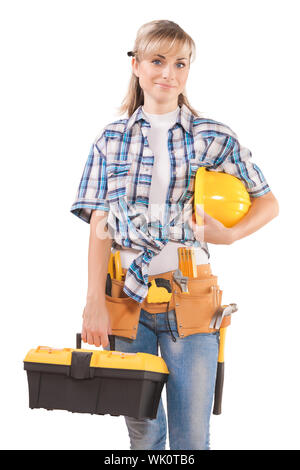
column 64, row 73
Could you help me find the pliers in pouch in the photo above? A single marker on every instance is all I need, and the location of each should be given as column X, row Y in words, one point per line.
column 115, row 266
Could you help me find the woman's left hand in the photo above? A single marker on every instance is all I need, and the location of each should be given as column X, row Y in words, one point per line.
column 212, row 231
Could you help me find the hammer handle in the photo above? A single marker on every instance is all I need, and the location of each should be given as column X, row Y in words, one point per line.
column 217, row 410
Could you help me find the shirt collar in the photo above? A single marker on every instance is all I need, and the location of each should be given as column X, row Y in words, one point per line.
column 185, row 118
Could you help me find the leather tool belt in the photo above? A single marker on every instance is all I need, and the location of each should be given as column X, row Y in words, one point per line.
column 195, row 311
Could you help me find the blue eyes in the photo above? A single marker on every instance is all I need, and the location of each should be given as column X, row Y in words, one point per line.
column 179, row 63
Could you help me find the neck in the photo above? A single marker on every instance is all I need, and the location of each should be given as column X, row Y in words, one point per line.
column 152, row 107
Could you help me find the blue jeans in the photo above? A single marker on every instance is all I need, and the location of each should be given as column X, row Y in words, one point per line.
column 192, row 363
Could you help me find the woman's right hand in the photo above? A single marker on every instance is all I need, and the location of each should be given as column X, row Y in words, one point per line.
column 96, row 324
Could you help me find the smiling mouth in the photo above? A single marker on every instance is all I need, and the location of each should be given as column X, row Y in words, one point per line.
column 164, row 86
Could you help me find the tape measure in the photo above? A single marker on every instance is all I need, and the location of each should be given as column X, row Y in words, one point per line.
column 159, row 290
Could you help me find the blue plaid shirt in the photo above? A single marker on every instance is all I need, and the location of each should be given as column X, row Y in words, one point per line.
column 117, row 179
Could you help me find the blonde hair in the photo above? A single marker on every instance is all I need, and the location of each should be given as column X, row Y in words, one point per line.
column 153, row 36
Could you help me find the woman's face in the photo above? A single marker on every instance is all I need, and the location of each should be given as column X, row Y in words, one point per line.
column 162, row 77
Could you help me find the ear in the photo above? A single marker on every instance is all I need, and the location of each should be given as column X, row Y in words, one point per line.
column 135, row 67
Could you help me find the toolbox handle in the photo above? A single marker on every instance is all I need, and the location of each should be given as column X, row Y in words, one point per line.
column 110, row 337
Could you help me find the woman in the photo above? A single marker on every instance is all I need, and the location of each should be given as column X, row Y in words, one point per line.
column 136, row 186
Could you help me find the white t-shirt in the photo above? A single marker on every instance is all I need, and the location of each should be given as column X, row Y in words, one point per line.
column 167, row 259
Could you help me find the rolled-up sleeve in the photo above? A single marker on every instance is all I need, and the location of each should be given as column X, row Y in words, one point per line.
column 92, row 191
column 238, row 163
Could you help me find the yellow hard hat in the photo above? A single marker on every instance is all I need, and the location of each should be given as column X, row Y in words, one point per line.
column 222, row 196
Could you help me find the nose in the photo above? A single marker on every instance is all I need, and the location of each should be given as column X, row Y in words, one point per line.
column 168, row 72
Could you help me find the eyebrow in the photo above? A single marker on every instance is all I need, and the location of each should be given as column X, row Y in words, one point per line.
column 163, row 57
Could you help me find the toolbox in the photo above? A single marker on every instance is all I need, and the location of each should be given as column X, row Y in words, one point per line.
column 97, row 382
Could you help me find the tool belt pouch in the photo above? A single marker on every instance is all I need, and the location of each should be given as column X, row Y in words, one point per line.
column 123, row 311
column 196, row 309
